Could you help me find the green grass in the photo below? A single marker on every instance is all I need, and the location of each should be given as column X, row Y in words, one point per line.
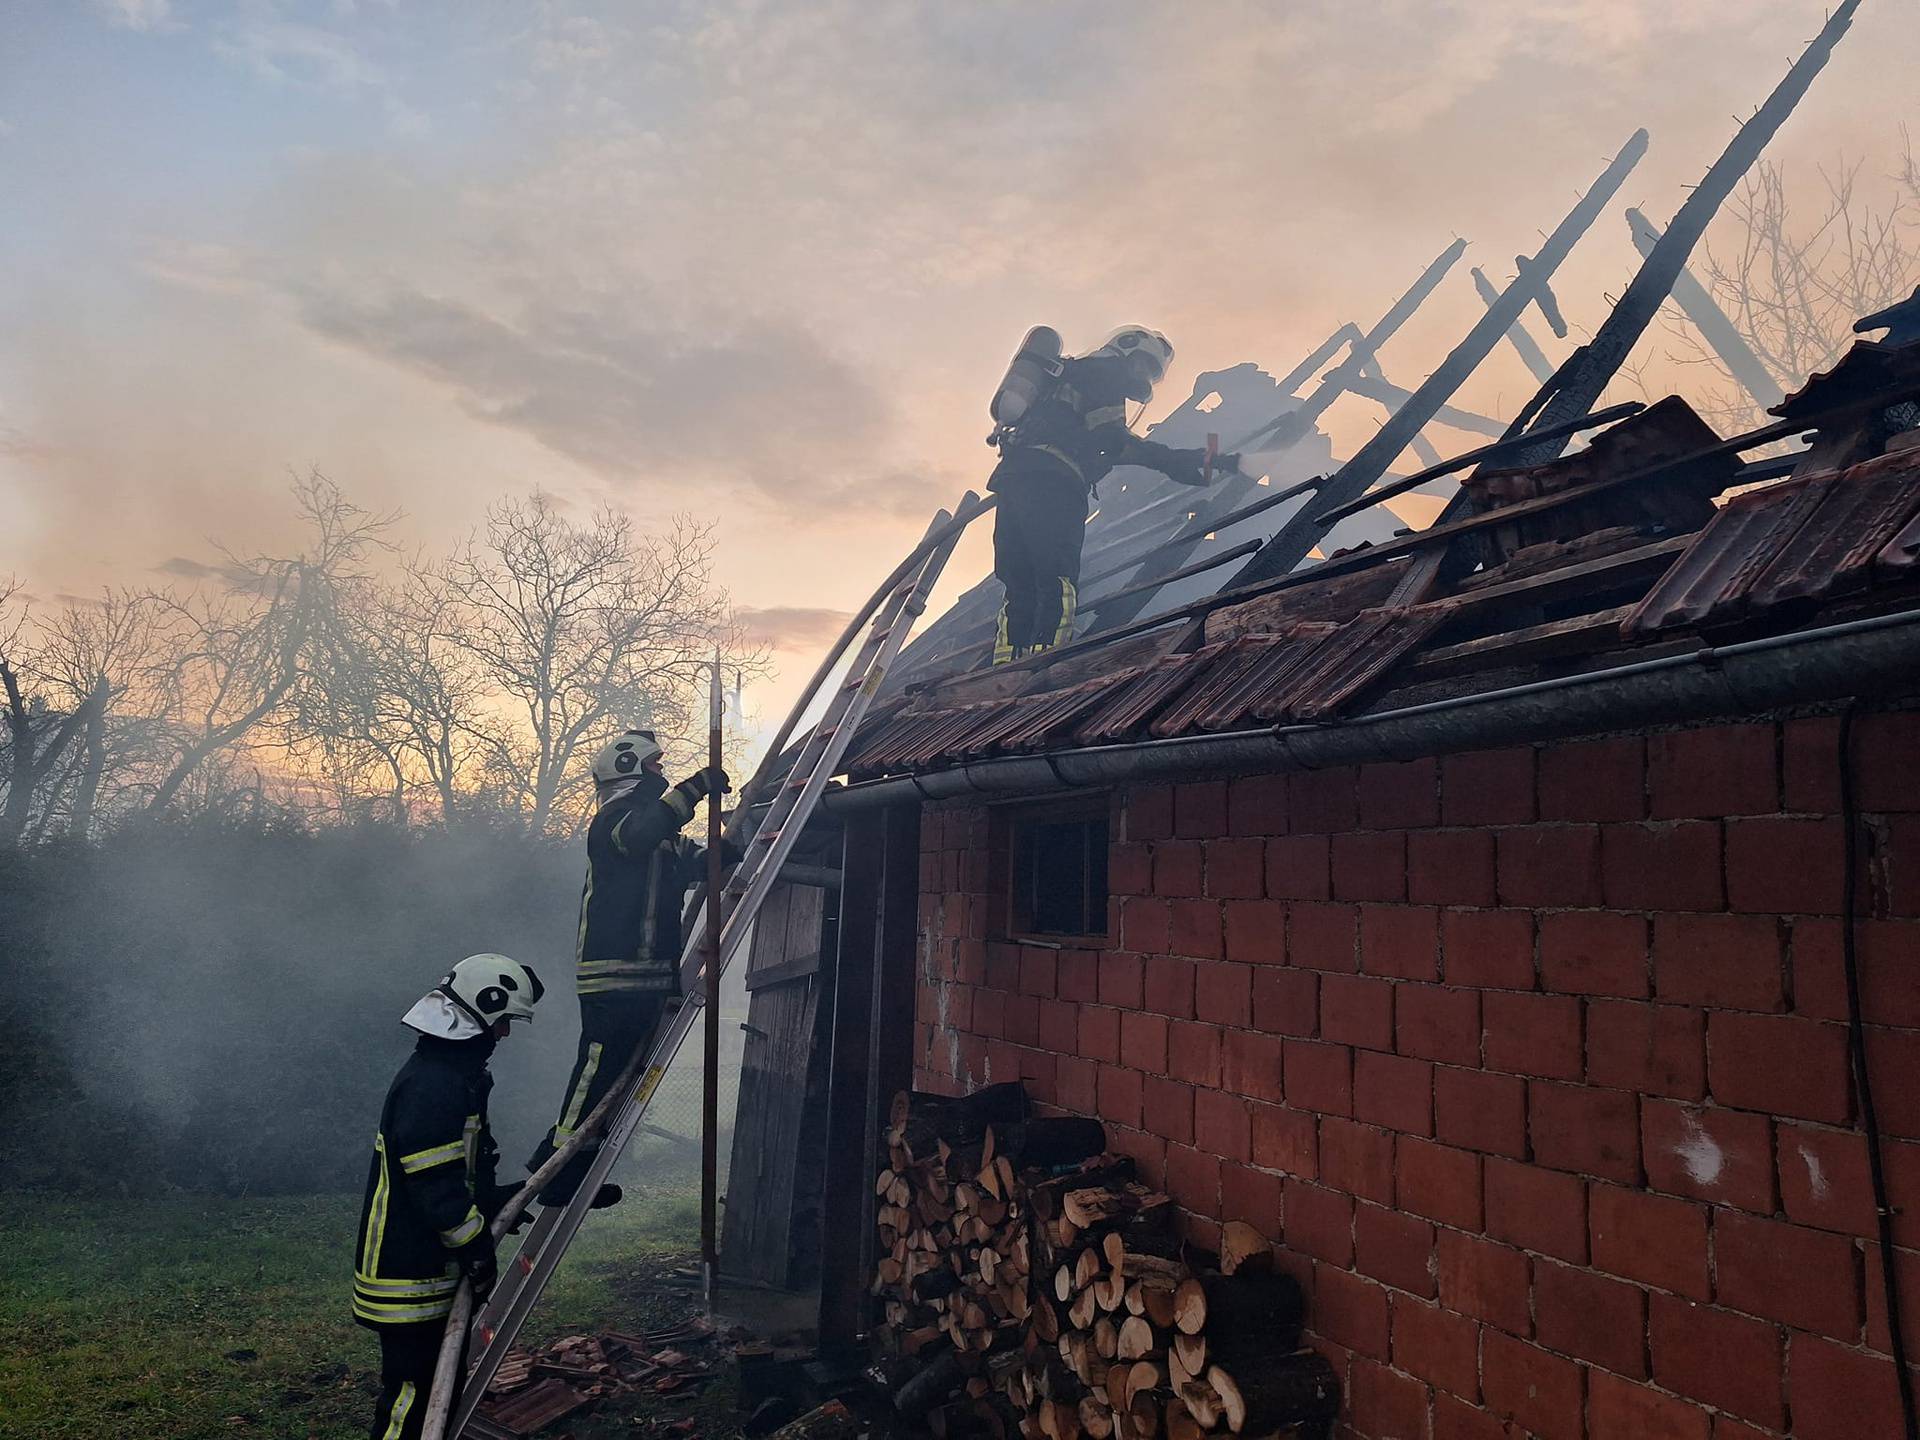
column 121, row 1319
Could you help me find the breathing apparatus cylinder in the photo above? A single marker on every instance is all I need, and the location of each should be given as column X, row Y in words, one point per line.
column 1033, row 368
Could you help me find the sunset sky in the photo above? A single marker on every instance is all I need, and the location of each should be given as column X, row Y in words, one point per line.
column 763, row 262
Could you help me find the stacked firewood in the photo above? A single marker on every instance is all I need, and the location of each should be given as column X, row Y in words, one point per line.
column 1030, row 1288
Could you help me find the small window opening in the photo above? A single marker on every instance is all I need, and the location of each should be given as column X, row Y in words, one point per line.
column 1059, row 873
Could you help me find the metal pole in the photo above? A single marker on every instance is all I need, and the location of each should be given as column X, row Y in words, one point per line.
column 710, row 989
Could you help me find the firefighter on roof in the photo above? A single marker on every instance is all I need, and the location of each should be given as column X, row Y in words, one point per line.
column 1060, row 426
column 627, row 946
column 430, row 1187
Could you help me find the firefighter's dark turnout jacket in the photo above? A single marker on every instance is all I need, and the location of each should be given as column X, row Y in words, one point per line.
column 430, row 1185
column 639, row 866
column 1058, row 453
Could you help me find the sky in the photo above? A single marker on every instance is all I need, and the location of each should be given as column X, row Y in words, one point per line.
column 762, row 263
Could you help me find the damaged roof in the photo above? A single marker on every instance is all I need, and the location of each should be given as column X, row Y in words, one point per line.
column 1640, row 559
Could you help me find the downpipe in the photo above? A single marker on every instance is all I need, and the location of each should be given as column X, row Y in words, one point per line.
column 1875, row 655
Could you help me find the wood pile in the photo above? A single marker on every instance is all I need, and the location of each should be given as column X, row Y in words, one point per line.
column 1032, row 1286
column 532, row 1390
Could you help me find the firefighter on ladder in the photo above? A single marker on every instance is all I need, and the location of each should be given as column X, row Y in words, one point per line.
column 1060, row 426
column 431, row 1191
column 627, row 946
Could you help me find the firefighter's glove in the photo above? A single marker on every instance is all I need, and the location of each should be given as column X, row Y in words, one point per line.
column 702, row 783
column 605, row 1196
column 1227, row 465
column 479, row 1262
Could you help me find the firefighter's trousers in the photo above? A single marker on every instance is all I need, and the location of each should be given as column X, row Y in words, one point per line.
column 1038, row 530
column 613, row 1025
column 408, row 1354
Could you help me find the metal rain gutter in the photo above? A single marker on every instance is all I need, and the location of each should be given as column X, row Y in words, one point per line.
column 1878, row 653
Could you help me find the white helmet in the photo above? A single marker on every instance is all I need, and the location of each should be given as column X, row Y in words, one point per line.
column 1136, row 342
column 624, row 757
column 475, row 995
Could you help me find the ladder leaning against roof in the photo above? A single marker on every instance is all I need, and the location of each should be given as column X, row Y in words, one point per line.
column 889, row 615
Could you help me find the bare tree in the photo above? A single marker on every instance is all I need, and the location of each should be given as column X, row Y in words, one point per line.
column 241, row 652
column 581, row 627
column 40, row 735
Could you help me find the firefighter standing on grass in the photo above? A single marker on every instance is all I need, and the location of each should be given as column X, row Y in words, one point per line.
column 1060, row 426
column 639, row 866
column 431, row 1191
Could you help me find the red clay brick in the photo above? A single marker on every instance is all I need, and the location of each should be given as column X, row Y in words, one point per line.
column 1122, row 976
column 1488, row 948
column 1299, row 867
column 1319, row 1222
column 1537, row 1209
column 1393, row 1248
column 1257, row 932
column 1078, row 978
column 1889, row 955
column 1194, row 928
column 1075, row 1083
column 1021, row 1020
column 1824, row 1179
column 1486, row 1281
column 1251, row 1064
column 1893, row 1063
column 1488, row 787
column 1719, row 1357
column 1177, row 868
column 1654, row 1239
column 1784, row 866
column 1193, row 1179
column 1456, row 1420
column 1323, row 802
column 1350, row 1309
column 1393, row 1091
column 1594, row 952
column 1594, row 780
column 1039, row 970
column 1385, row 1402
column 1804, row 1278
column 1319, row 1077
column 1148, row 813
column 1129, row 869
column 1402, row 941
column 1907, row 1277
column 1733, row 962
column 1438, row 1022
column 1781, row 1064
column 1480, row 1111
column 1200, row 808
column 1370, row 865
column 1438, row 1182
column 1194, row 1053
column 1143, row 924
column 1714, row 771
column 1356, row 1010
column 1059, row 1025
column 1670, row 866
column 1400, row 797
column 1549, row 865
column 1721, row 1156
column 1286, row 1140
column 1450, row 867
column 1223, row 993
column 1884, row 746
column 1810, row 765
column 1166, row 1108
column 1168, row 986
column 1532, row 1034
column 1585, row 1129
column 1236, row 868
column 1542, row 1391
column 1257, row 805
column 1120, row 1094
column 1592, row 1317
column 1100, row 1033
column 1655, row 1049
column 989, row 1014
column 1252, row 1196
column 1357, row 1159
column 1221, row 1125
column 1440, row 1347
column 1286, row 1001
column 1620, row 1410
column 1322, row 937
column 1143, row 1041
column 1840, row 1394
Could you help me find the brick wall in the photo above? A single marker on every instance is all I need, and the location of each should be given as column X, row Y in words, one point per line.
column 1533, row 1059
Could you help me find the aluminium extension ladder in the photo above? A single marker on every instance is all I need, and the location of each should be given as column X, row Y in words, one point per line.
column 894, row 608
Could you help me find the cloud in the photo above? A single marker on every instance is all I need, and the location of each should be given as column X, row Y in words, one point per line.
column 143, row 15
column 790, row 627
column 286, row 52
